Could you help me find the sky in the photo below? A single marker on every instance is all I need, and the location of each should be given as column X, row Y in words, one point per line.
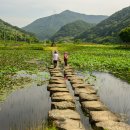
column 22, row 12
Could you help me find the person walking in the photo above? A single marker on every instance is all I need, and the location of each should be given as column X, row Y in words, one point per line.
column 55, row 58
column 65, row 58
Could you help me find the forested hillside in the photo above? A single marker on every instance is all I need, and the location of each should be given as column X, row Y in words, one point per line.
column 45, row 28
column 109, row 29
column 9, row 32
column 71, row 30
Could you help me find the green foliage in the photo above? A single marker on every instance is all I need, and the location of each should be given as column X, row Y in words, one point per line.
column 13, row 33
column 106, row 58
column 125, row 35
column 31, row 58
column 108, row 30
column 45, row 28
column 71, row 30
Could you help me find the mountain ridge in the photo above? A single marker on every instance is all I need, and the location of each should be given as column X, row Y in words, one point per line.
column 46, row 27
column 109, row 29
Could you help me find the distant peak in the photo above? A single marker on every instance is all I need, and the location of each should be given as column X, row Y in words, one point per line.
column 67, row 11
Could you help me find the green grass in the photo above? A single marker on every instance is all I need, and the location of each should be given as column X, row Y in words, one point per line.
column 114, row 59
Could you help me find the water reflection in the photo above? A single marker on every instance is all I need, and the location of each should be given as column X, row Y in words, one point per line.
column 25, row 108
column 84, row 118
column 114, row 92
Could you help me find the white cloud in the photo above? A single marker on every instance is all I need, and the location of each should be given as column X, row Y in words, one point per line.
column 22, row 12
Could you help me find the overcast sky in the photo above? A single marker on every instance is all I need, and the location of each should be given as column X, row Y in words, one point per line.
column 23, row 12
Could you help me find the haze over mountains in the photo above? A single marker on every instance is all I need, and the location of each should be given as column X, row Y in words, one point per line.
column 109, row 29
column 9, row 32
column 45, row 28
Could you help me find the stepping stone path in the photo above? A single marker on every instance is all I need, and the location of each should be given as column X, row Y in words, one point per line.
column 64, row 115
column 63, row 112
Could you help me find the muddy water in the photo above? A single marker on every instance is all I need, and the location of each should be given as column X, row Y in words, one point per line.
column 25, row 108
column 114, row 92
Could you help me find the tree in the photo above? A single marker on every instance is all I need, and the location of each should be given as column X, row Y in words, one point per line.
column 125, row 35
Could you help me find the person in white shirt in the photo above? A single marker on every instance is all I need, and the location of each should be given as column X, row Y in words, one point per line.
column 55, row 58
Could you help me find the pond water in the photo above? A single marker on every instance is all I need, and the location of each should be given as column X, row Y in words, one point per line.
column 28, row 107
column 25, row 108
column 84, row 119
column 113, row 92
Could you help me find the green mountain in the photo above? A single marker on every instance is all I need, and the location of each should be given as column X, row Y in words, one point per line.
column 71, row 30
column 9, row 32
column 109, row 29
column 46, row 27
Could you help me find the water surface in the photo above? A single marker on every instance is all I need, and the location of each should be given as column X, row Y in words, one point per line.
column 25, row 108
column 113, row 92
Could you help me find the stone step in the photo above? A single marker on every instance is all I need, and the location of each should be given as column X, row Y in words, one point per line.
column 67, row 98
column 112, row 125
column 88, row 97
column 76, row 81
column 69, row 124
column 55, row 71
column 78, row 86
column 69, row 76
column 57, row 75
column 63, row 114
column 58, row 94
column 88, row 106
column 69, row 71
column 63, row 105
column 100, row 116
column 84, row 90
column 75, row 77
column 59, row 81
column 53, row 90
column 56, row 78
column 56, row 86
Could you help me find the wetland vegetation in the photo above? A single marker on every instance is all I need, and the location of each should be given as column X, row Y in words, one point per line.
column 22, row 63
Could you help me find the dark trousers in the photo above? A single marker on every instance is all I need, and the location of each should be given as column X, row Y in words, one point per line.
column 55, row 63
column 65, row 60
